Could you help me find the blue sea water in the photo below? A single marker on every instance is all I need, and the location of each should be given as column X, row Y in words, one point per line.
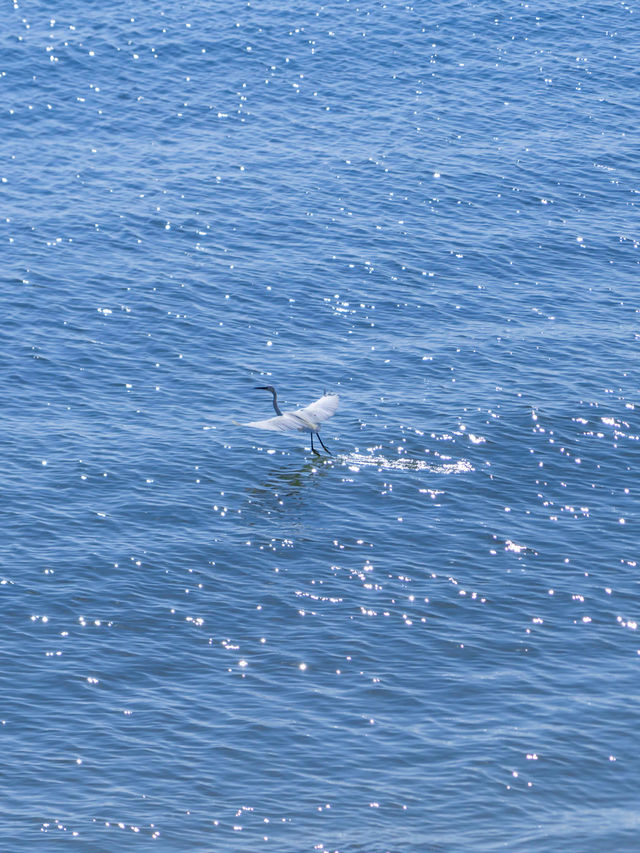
column 212, row 639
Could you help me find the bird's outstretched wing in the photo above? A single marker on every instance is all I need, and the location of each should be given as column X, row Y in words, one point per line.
column 320, row 409
column 302, row 419
column 281, row 423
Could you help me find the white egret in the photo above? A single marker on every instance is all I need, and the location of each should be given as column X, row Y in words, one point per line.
column 303, row 420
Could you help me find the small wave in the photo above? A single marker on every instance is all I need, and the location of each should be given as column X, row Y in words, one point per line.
column 355, row 461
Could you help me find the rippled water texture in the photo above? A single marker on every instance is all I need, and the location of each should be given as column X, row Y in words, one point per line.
column 213, row 639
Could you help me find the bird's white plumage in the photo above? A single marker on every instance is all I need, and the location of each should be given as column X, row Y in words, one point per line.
column 320, row 409
column 303, row 420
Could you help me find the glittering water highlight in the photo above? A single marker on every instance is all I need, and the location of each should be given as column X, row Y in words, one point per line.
column 213, row 640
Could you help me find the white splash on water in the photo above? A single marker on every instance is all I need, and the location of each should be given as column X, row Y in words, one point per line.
column 355, row 461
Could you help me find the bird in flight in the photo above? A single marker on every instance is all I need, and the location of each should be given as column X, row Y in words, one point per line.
column 302, row 420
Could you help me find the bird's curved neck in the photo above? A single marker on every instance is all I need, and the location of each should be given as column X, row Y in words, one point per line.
column 275, row 402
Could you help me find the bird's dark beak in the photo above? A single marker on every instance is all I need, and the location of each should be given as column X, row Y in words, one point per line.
column 260, row 388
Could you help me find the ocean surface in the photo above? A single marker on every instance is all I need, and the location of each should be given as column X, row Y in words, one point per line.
column 212, row 639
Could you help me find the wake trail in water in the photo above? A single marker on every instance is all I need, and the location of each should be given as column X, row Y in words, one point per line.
column 355, row 461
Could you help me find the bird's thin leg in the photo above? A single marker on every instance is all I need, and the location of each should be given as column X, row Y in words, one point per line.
column 323, row 444
column 313, row 450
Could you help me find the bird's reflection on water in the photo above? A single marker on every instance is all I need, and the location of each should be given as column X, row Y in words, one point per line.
column 287, row 489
